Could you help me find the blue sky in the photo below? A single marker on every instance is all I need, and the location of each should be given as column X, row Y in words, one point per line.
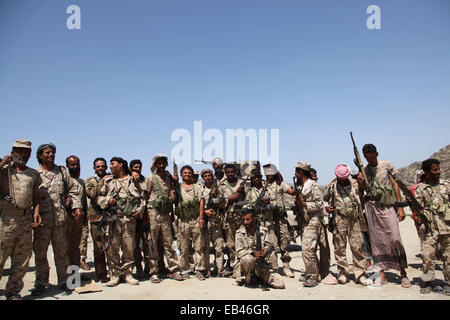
column 139, row 69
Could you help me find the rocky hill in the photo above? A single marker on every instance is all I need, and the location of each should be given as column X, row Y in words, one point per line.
column 407, row 173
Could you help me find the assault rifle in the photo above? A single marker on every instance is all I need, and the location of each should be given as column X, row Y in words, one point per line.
column 106, row 224
column 412, row 203
column 332, row 216
column 299, row 217
column 359, row 164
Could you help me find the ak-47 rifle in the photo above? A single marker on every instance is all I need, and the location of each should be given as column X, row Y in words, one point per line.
column 332, row 215
column 106, row 224
column 412, row 203
column 176, row 183
column 359, row 164
column 299, row 217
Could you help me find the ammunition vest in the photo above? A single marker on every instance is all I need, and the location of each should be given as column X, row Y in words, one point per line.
column 385, row 195
column 441, row 209
column 349, row 206
column 129, row 204
column 189, row 209
column 162, row 204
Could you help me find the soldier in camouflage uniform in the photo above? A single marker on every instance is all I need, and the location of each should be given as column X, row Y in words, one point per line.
column 310, row 204
column 121, row 191
column 84, row 244
column 434, row 195
column 247, row 255
column 19, row 212
column 278, row 189
column 159, row 191
column 266, row 214
column 93, row 186
column 219, row 173
column 57, row 192
column 342, row 194
column 232, row 190
column 215, row 222
column 75, row 228
column 190, row 211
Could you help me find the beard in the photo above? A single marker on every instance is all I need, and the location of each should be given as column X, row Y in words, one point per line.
column 74, row 172
column 19, row 160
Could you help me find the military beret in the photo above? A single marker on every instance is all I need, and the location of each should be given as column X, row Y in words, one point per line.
column 270, row 169
column 22, row 144
column 304, row 166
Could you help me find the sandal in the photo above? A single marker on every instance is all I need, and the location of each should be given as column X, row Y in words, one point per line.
column 405, row 282
column 446, row 290
column 154, row 279
column 425, row 290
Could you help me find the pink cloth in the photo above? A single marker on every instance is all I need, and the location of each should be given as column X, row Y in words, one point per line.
column 342, row 171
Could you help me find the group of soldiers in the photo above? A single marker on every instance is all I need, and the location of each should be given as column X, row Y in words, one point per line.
column 135, row 220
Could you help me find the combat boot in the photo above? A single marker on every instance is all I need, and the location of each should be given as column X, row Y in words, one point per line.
column 130, row 280
column 287, row 271
column 113, row 279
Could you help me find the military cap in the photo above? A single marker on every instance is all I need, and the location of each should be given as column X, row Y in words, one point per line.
column 22, row 144
column 255, row 173
column 304, row 166
column 156, row 157
column 206, row 171
column 218, row 160
column 270, row 169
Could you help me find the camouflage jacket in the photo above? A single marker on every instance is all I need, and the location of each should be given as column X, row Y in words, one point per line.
column 311, row 194
column 246, row 243
column 93, row 185
column 346, row 199
column 55, row 186
column 278, row 192
column 435, row 200
column 227, row 189
column 23, row 183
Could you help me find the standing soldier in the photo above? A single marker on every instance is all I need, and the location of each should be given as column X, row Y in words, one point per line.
column 190, row 210
column 342, row 194
column 160, row 195
column 310, row 204
column 434, row 195
column 214, row 231
column 141, row 224
column 250, row 260
column 266, row 210
column 278, row 189
column 232, row 190
column 57, row 192
column 93, row 185
column 18, row 195
column 382, row 218
column 219, row 174
column 74, row 227
column 120, row 191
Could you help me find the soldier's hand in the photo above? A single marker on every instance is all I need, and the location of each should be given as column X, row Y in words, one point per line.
column 78, row 214
column 6, row 160
column 300, row 203
column 400, row 214
column 135, row 213
column 415, row 216
column 201, row 223
column 329, row 209
column 112, row 202
column 233, row 197
column 68, row 202
column 214, row 192
column 36, row 220
column 266, row 201
column 210, row 212
column 135, row 176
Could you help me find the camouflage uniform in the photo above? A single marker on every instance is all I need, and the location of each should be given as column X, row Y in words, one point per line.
column 125, row 225
column 215, row 235
column 246, row 263
column 347, row 216
column 280, row 220
column 232, row 218
column 160, row 222
column 75, row 228
column 93, row 185
column 140, row 236
column 189, row 228
column 266, row 217
column 314, row 233
column 55, row 186
column 15, row 225
column 435, row 200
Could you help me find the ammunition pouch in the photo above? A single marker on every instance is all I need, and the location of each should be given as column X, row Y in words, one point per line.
column 128, row 205
column 189, row 209
column 383, row 194
column 163, row 205
column 442, row 210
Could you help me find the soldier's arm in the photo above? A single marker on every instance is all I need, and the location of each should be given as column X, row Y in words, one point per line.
column 91, row 188
column 241, row 249
column 74, row 190
column 316, row 203
column 36, row 216
column 103, row 196
column 327, row 194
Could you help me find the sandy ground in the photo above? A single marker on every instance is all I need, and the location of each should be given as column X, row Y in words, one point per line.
column 225, row 289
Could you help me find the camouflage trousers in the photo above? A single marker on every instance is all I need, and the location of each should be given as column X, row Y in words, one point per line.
column 315, row 237
column 247, row 266
column 190, row 235
column 15, row 242
column 122, row 238
column 74, row 231
column 283, row 238
column 429, row 255
column 43, row 235
column 348, row 229
column 138, row 250
column 270, row 225
column 99, row 254
column 215, row 236
column 84, row 240
column 230, row 226
column 160, row 231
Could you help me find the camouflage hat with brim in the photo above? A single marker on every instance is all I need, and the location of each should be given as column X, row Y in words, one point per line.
column 156, row 157
column 206, row 171
column 304, row 166
column 22, row 144
column 270, row 169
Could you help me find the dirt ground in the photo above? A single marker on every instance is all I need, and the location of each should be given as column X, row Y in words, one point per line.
column 225, row 288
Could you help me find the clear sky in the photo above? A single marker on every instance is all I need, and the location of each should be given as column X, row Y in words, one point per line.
column 139, row 69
